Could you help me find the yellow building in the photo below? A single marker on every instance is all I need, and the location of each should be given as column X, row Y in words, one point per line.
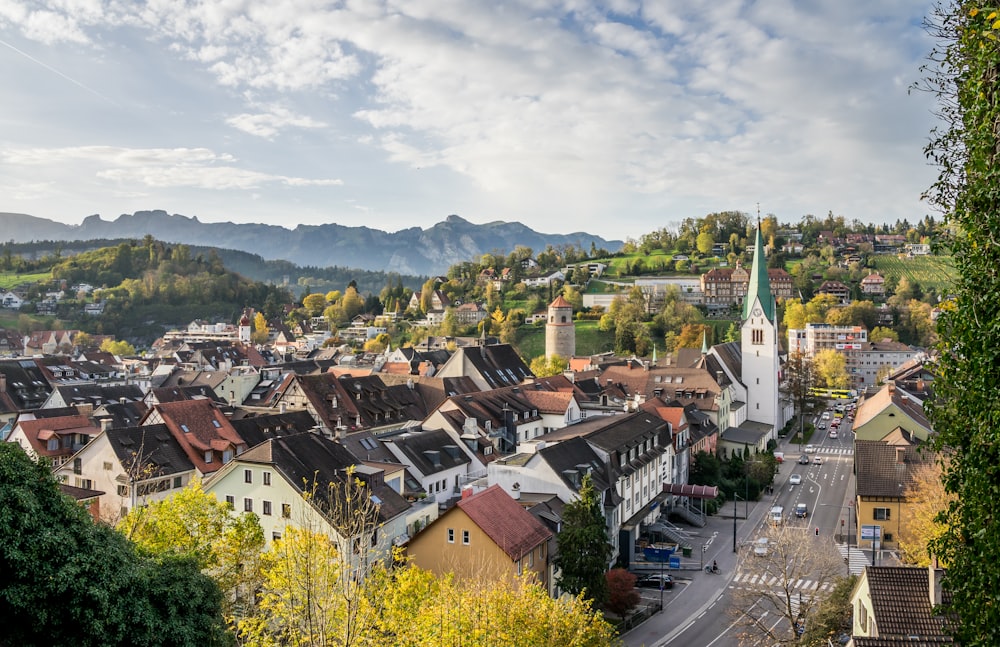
column 884, row 472
column 485, row 535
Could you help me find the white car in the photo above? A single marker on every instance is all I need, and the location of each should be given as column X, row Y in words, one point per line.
column 817, row 460
column 833, row 433
column 810, row 449
column 760, row 547
column 795, row 479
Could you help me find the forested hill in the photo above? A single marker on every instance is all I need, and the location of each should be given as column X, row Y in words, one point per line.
column 412, row 251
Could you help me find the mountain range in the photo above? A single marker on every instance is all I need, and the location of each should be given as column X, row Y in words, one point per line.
column 413, row 251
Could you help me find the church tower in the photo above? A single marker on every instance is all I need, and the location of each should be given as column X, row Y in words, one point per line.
column 759, row 344
column 560, row 333
column 245, row 328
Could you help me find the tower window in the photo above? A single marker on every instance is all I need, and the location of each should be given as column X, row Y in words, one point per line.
column 757, row 336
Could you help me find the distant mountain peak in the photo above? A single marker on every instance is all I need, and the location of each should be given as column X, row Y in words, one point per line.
column 409, row 251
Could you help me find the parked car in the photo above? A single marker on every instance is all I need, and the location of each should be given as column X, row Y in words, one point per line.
column 801, row 510
column 760, row 547
column 652, row 581
column 795, row 479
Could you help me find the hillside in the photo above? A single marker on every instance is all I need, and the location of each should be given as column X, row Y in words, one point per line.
column 411, row 251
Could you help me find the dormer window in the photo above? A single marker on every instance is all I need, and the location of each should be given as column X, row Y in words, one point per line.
column 208, row 457
column 333, row 401
column 185, row 429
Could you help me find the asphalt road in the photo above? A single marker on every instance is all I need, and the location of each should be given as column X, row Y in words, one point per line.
column 698, row 610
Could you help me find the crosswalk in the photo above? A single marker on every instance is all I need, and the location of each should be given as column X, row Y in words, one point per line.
column 856, row 558
column 837, row 451
column 750, row 579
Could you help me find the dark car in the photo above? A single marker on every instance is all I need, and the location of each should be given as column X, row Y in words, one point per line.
column 653, row 580
column 803, row 460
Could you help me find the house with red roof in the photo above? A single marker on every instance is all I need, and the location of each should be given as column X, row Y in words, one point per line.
column 485, row 535
column 203, row 431
column 55, row 438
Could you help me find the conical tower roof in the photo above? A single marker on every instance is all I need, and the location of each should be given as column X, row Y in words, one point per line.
column 760, row 283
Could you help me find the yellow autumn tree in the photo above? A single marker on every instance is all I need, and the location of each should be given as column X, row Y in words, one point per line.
column 543, row 366
column 925, row 499
column 831, row 369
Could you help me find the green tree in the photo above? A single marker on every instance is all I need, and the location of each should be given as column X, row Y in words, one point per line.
column 831, row 369
column 704, row 242
column 68, row 580
column 584, row 550
column 119, row 348
column 314, row 304
column 965, row 409
column 879, row 333
column 542, row 366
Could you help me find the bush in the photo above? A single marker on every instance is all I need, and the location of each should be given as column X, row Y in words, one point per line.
column 622, row 596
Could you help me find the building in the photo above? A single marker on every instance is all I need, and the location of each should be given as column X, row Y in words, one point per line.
column 487, row 535
column 873, row 285
column 885, row 471
column 560, row 331
column 729, row 286
column 837, row 289
column 759, row 345
column 896, row 606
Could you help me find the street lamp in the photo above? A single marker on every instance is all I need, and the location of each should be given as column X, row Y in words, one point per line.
column 735, row 496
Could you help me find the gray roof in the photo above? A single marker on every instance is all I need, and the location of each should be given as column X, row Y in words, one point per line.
column 152, row 448
column 430, row 452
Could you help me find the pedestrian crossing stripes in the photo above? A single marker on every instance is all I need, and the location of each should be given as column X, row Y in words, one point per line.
column 766, row 580
column 838, row 451
column 857, row 561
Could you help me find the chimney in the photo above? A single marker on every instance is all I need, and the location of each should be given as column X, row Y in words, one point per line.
column 122, row 400
column 106, row 423
column 934, row 575
column 3, row 382
column 718, row 378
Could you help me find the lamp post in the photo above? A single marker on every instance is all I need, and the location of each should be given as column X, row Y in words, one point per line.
column 735, row 497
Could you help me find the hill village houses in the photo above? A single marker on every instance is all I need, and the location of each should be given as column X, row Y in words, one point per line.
column 469, row 456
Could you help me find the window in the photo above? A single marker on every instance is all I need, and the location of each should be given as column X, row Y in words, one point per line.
column 248, row 476
column 230, row 501
column 248, row 505
column 267, row 478
column 77, row 466
column 107, row 466
column 267, row 508
column 757, row 336
column 275, row 536
column 178, row 482
column 53, row 444
column 465, row 537
column 122, row 490
column 286, row 510
column 531, row 558
column 882, row 514
column 208, row 457
column 451, row 535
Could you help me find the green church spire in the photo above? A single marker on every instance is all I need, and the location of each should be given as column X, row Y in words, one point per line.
column 704, row 342
column 760, row 284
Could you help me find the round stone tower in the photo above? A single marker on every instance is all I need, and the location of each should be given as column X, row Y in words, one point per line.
column 560, row 334
column 245, row 328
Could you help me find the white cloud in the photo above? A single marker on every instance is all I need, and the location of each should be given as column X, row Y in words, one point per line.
column 267, row 124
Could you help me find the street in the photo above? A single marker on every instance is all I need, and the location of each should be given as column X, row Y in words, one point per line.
column 699, row 611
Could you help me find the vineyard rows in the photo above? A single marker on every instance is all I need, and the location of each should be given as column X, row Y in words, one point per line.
column 936, row 272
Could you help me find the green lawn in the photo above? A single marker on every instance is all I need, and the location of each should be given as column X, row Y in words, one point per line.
column 589, row 340
column 12, row 279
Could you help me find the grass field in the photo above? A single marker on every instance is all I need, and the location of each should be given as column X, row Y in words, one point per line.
column 11, row 279
column 589, row 340
column 936, row 272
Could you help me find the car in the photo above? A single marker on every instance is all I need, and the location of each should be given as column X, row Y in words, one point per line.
column 801, row 510
column 760, row 547
column 817, row 460
column 803, row 460
column 810, row 449
column 834, row 424
column 795, row 479
column 652, row 581
column 833, row 433
column 777, row 515
column 821, row 425
column 826, row 415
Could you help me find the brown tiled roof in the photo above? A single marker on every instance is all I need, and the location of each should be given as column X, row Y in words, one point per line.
column 199, row 426
column 885, row 470
column 515, row 530
column 901, row 602
column 549, row 402
column 39, row 431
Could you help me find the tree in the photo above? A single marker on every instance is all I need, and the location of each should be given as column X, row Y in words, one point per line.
column 800, row 378
column 543, row 366
column 962, row 74
column 68, row 580
column 831, row 369
column 622, row 596
column 704, row 242
column 832, row 617
column 314, row 304
column 584, row 550
column 119, row 348
column 768, row 605
column 193, row 524
column 260, row 330
column 880, row 333
column 926, row 500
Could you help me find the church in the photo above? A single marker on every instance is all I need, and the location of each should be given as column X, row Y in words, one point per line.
column 753, row 365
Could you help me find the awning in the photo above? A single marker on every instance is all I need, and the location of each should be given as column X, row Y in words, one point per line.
column 693, row 491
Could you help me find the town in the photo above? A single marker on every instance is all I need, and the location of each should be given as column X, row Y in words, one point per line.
column 770, row 387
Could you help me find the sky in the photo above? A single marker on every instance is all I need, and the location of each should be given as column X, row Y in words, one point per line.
column 615, row 118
